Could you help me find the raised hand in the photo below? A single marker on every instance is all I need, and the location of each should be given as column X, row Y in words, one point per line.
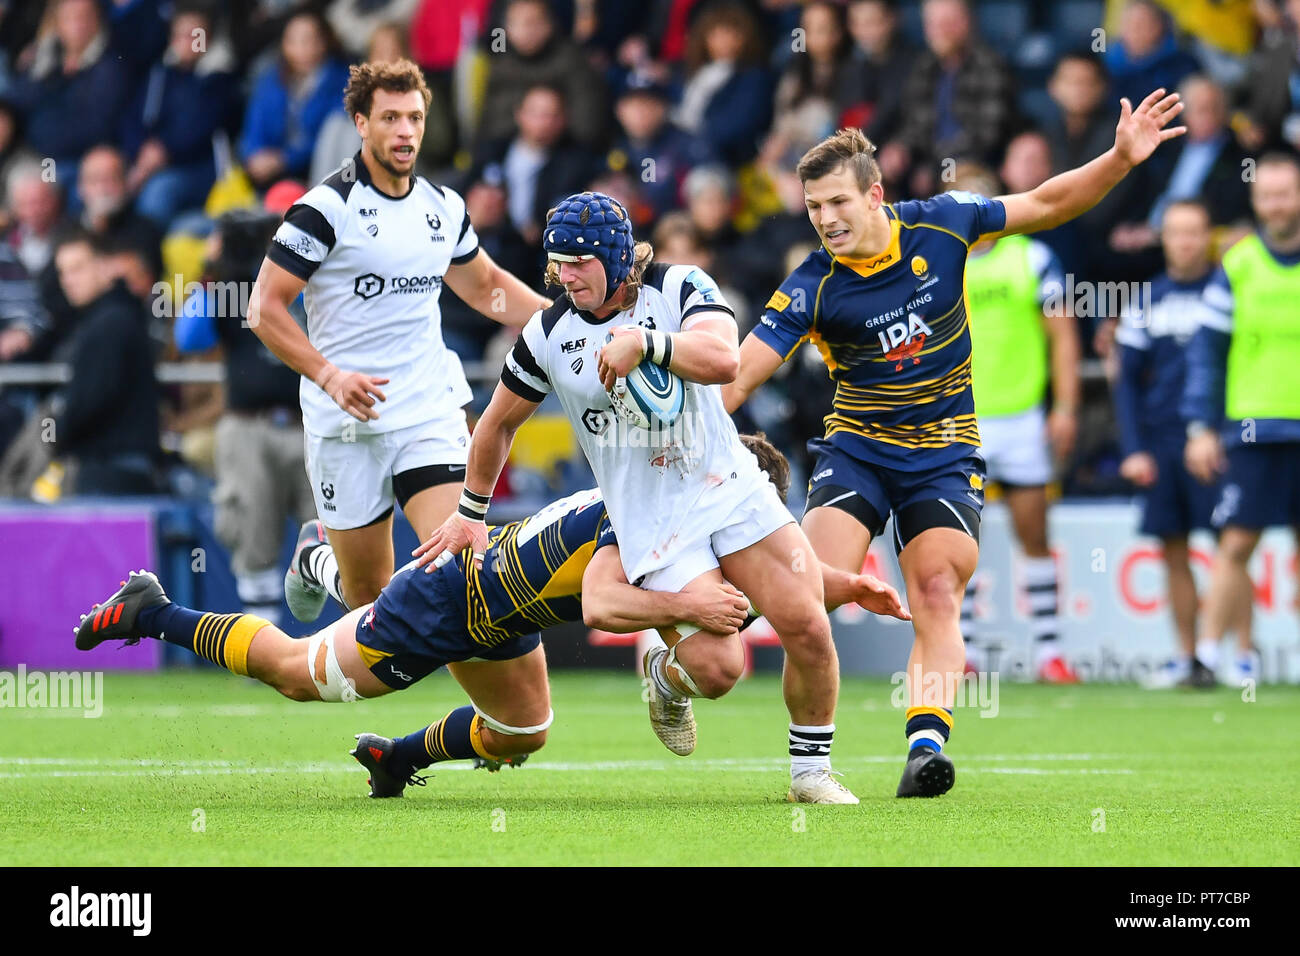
column 1141, row 130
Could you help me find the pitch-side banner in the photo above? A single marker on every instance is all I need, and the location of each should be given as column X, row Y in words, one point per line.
column 1115, row 619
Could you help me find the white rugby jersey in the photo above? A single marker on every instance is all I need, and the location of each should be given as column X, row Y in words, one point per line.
column 665, row 492
column 374, row 268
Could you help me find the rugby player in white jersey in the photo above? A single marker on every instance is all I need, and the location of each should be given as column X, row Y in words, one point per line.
column 381, row 393
column 690, row 505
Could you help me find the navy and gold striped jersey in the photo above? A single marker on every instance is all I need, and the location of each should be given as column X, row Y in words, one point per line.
column 531, row 577
column 893, row 332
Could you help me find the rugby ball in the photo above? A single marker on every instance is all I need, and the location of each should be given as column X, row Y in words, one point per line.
column 651, row 397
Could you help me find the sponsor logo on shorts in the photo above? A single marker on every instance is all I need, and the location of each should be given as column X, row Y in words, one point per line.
column 397, row 673
column 327, row 492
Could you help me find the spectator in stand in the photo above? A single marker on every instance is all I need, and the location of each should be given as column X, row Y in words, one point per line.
column 676, row 241
column 440, row 31
column 179, row 107
column 486, row 204
column 871, row 82
column 536, row 54
column 106, row 211
column 540, row 162
column 22, row 317
column 1026, row 165
column 759, row 260
column 958, row 102
column 1270, row 107
column 1206, row 164
column 1084, row 125
column 1146, row 55
column 805, row 95
column 653, row 143
column 290, row 101
column 727, row 100
column 710, row 193
column 355, row 22
column 13, row 147
column 74, row 92
column 106, row 417
column 37, row 210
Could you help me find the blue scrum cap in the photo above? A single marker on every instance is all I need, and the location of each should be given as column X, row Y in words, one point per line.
column 591, row 225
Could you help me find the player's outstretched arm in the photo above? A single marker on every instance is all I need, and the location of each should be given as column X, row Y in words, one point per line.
column 758, row 362
column 269, row 318
column 610, row 603
column 493, row 291
column 489, row 447
column 1075, row 191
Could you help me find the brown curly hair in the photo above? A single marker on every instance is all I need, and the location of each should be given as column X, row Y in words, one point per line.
column 399, row 76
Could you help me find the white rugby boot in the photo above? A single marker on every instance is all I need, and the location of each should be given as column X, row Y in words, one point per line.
column 819, row 786
column 672, row 720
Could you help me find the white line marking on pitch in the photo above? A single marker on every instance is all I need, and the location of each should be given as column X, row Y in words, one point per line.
column 51, row 767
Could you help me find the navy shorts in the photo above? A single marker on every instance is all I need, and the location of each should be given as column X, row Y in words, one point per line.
column 418, row 624
column 952, row 494
column 1262, row 487
column 1177, row 502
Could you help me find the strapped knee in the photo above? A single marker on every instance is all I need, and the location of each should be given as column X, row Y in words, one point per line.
column 506, row 729
column 336, row 687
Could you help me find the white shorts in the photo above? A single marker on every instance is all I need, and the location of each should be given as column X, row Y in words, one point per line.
column 752, row 520
column 1015, row 448
column 352, row 481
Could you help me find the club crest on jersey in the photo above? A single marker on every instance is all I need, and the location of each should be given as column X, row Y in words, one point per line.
column 435, row 223
column 920, row 268
column 904, row 340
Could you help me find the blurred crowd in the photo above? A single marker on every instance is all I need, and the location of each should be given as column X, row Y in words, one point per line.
column 131, row 131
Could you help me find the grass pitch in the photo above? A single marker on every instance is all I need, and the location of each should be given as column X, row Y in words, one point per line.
column 199, row 767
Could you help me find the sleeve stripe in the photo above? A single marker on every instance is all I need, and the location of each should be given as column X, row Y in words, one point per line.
column 461, row 260
column 290, row 261
column 706, row 307
column 464, row 228
column 512, row 382
column 526, row 362
column 310, row 220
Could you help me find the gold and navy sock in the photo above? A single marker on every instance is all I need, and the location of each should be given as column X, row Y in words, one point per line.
column 222, row 639
column 928, row 727
column 458, row 736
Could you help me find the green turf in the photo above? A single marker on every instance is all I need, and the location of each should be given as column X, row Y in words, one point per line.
column 1182, row 778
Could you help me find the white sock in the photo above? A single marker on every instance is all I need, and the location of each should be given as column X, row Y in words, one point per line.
column 322, row 570
column 810, row 748
column 261, row 593
column 1207, row 652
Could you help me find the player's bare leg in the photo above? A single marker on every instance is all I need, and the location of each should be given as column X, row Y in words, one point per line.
column 428, row 509
column 936, row 565
column 326, row 666
column 1027, row 505
column 785, row 573
column 1230, row 586
column 692, row 663
column 507, row 721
